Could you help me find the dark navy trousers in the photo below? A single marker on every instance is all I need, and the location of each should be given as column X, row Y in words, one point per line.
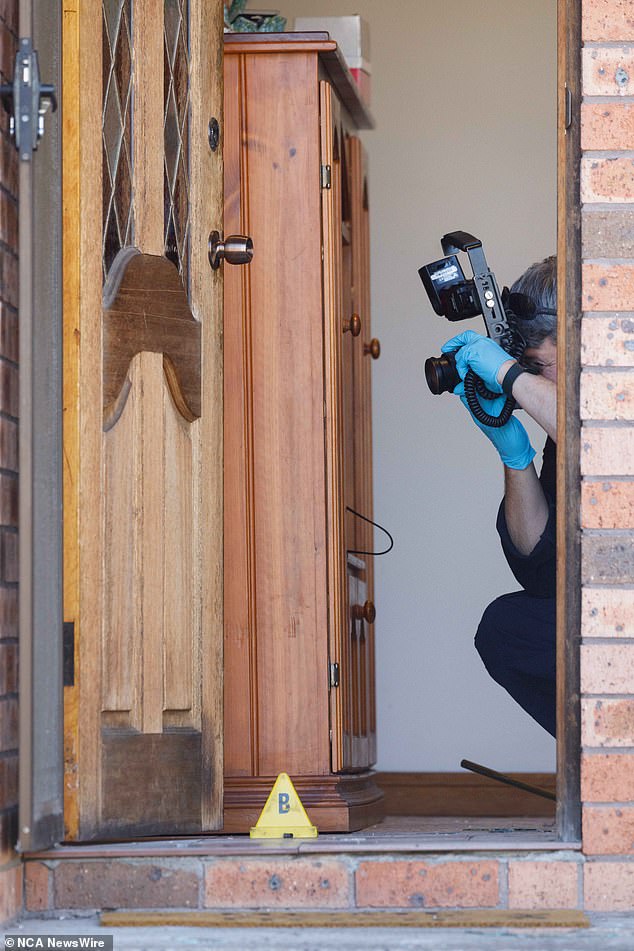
column 516, row 641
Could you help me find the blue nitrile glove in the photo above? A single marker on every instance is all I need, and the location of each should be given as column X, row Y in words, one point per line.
column 480, row 354
column 510, row 440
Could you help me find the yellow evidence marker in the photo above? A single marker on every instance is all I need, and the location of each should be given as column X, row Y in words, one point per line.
column 283, row 816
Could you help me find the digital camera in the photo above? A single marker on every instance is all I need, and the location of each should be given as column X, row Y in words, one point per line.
column 456, row 297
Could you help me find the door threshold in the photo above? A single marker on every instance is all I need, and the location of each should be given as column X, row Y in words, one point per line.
column 395, row 834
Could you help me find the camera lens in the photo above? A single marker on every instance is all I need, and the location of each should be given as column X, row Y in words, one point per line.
column 441, row 374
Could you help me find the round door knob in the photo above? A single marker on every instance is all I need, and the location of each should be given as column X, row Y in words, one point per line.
column 353, row 325
column 373, row 348
column 236, row 249
column 364, row 612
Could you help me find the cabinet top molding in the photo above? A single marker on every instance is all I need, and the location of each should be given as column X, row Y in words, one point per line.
column 330, row 57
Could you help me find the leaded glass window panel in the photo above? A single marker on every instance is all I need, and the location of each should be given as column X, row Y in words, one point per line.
column 118, row 217
column 176, row 134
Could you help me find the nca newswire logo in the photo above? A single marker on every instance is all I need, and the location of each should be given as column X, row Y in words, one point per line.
column 57, row 941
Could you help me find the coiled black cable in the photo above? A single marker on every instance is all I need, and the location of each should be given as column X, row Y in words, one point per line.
column 475, row 388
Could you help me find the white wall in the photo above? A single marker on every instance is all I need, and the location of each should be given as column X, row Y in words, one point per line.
column 464, row 101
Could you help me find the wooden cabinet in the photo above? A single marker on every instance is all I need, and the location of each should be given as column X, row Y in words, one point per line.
column 299, row 585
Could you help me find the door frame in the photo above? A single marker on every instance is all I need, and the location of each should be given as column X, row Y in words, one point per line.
column 568, row 465
column 569, row 308
column 40, row 798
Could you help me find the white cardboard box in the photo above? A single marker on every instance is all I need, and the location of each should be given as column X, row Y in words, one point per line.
column 351, row 34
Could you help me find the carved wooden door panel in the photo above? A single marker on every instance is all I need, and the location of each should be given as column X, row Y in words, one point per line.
column 143, row 423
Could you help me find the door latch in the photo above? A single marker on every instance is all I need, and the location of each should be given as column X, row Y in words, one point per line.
column 27, row 100
column 236, row 249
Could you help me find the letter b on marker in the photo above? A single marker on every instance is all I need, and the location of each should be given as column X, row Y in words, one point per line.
column 283, row 803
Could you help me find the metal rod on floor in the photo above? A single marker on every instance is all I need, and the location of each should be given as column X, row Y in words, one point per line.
column 502, row 778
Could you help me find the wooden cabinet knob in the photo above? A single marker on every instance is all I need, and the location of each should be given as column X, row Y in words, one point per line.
column 364, row 612
column 353, row 325
column 373, row 348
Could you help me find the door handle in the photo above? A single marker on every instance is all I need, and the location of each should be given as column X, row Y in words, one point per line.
column 364, row 612
column 236, row 249
column 373, row 348
column 352, row 324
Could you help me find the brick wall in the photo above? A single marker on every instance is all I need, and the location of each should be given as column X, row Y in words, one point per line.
column 607, row 453
column 10, row 867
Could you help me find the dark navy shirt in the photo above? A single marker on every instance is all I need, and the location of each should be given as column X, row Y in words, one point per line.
column 536, row 572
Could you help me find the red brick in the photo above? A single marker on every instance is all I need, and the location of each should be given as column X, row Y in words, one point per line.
column 607, row 668
column 8, row 613
column 8, row 725
column 607, row 777
column 607, row 20
column 8, row 444
column 543, row 884
column 8, row 166
column 37, row 886
column 9, row 335
column 8, row 556
column 8, row 781
column 9, row 13
column 608, row 831
column 607, row 722
column 608, row 286
column 607, row 394
column 608, row 71
column 412, row 884
column 607, row 179
column 607, row 451
column 8, row 835
column 7, row 51
column 9, row 276
column 8, row 668
column 121, row 884
column 278, row 883
column 607, row 341
column 607, row 125
column 8, row 220
column 607, row 504
column 607, row 612
column 10, row 892
column 8, row 500
column 9, row 392
column 608, row 886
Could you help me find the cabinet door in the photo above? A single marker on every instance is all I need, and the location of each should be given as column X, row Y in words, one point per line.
column 276, row 611
column 346, row 294
column 365, row 354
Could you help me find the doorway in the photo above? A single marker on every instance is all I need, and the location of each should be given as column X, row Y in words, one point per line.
column 436, row 447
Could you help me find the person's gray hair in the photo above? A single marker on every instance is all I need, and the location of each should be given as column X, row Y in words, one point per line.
column 539, row 282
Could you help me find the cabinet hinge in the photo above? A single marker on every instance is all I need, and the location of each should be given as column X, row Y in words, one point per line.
column 567, row 107
column 333, row 675
column 325, row 175
column 68, row 653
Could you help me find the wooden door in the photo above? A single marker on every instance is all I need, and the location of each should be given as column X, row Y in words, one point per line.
column 143, row 417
